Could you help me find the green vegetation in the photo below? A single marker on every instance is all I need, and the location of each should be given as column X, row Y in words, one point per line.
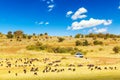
column 78, row 43
column 116, row 49
column 60, row 39
column 9, row 35
column 96, row 42
column 40, row 46
column 85, row 43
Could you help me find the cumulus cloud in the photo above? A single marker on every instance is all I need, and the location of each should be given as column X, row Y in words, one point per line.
column 69, row 13
column 89, row 23
column 50, row 7
column 95, row 30
column 79, row 14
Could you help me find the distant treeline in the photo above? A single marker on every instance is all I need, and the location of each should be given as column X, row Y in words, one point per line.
column 98, row 35
column 21, row 34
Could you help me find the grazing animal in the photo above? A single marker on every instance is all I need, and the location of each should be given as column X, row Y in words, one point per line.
column 91, row 69
column 56, row 65
column 71, row 65
column 105, row 68
column 115, row 68
column 16, row 74
column 80, row 65
column 35, row 73
column 25, row 71
column 69, row 69
column 9, row 71
column 74, row 69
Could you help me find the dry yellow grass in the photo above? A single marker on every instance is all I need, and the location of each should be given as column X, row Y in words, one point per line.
column 98, row 55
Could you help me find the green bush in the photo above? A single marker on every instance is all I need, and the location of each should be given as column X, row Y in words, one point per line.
column 62, row 49
column 38, row 44
column 78, row 43
column 77, row 36
column 100, row 49
column 60, row 39
column 85, row 43
column 116, row 49
column 31, row 47
column 96, row 42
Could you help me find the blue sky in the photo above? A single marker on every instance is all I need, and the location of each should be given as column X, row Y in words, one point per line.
column 60, row 17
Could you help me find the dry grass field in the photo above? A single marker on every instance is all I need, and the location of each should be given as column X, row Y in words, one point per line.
column 18, row 63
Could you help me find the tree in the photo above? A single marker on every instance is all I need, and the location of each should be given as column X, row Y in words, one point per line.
column 41, row 34
column 96, row 42
column 78, row 43
column 29, row 36
column 116, row 49
column 85, row 43
column 34, row 34
column 46, row 34
column 18, row 34
column 25, row 36
column 60, row 39
column 9, row 34
column 77, row 36
column 0, row 34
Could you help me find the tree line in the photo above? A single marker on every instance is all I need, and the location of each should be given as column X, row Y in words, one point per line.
column 98, row 35
column 20, row 34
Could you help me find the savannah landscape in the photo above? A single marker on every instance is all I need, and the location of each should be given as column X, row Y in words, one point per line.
column 59, row 39
column 44, row 57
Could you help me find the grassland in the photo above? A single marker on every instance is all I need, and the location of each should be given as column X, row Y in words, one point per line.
column 99, row 55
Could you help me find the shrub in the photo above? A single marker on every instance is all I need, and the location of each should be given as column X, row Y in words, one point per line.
column 78, row 43
column 31, row 47
column 116, row 49
column 38, row 44
column 63, row 58
column 85, row 43
column 77, row 36
column 91, row 50
column 73, row 53
column 84, row 52
column 60, row 39
column 96, row 42
column 100, row 49
column 76, row 49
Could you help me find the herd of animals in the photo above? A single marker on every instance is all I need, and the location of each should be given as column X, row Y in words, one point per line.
column 32, row 65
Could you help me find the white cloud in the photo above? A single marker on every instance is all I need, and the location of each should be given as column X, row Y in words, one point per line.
column 47, row 23
column 102, row 30
column 89, row 23
column 68, row 28
column 52, row 0
column 41, row 22
column 95, row 30
column 69, row 13
column 118, row 7
column 48, row 2
column 50, row 7
column 79, row 14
